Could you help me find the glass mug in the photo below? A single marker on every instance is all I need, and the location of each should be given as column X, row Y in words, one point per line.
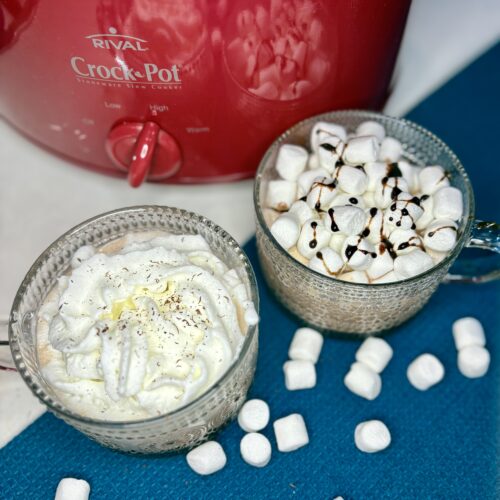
column 331, row 304
column 182, row 428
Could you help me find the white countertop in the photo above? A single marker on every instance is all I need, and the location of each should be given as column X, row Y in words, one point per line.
column 42, row 195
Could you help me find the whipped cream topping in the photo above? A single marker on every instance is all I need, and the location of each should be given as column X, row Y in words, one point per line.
column 142, row 326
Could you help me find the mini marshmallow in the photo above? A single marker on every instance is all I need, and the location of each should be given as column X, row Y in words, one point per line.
column 313, row 237
column 425, row 371
column 467, row 332
column 299, row 374
column 372, row 436
column 253, row 415
column 70, row 488
column 313, row 161
column 382, row 264
column 363, row 381
column 291, row 432
column 371, row 127
column 376, row 230
column 286, row 230
column 410, row 175
column 432, row 178
column 82, row 254
column 436, row 257
column 322, row 193
column 404, row 212
column 336, row 242
column 448, row 203
column 361, row 150
column 301, row 211
column 306, row 345
column 473, row 361
column 358, row 253
column 390, row 150
column 326, row 261
column 388, row 190
column 375, row 172
column 390, row 277
column 329, row 153
column 348, row 219
column 322, row 130
column 255, row 449
column 413, row 263
column 281, row 194
column 405, row 241
column 291, row 161
column 207, row 458
column 375, row 353
column 427, row 205
column 354, row 277
column 342, row 199
column 270, row 215
column 352, row 180
column 441, row 235
column 369, row 199
column 307, row 178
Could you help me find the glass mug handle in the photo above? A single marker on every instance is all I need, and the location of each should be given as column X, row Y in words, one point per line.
column 486, row 236
column 6, row 362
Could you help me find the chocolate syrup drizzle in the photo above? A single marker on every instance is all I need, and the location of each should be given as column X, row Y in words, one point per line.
column 404, row 211
column 333, row 226
column 432, row 233
column 314, row 242
column 319, row 255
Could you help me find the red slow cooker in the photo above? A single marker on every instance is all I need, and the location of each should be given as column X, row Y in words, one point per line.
column 187, row 90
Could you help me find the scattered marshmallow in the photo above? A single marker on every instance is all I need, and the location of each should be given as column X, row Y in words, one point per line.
column 255, row 449
column 291, row 432
column 207, row 458
column 322, row 130
column 291, row 161
column 404, row 212
column 425, row 371
column 473, row 361
column 299, row 375
column 337, row 241
column 363, row 381
column 410, row 175
column 281, row 194
column 347, row 219
column 253, row 415
column 467, row 332
column 306, row 345
column 352, row 180
column 360, row 150
column 326, row 261
column 371, row 127
column 388, row 190
column 84, row 253
column 286, row 230
column 372, row 436
column 313, row 237
column 441, row 235
column 432, row 178
column 448, row 203
column 70, row 488
column 390, row 150
column 358, row 253
column 329, row 153
column 375, row 353
column 390, row 277
column 413, row 263
column 375, row 172
column 313, row 161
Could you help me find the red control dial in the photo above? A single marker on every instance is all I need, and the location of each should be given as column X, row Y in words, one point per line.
column 144, row 150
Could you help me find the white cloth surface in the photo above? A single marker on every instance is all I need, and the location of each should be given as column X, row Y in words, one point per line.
column 42, row 195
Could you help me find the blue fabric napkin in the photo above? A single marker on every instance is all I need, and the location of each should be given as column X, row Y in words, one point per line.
column 445, row 440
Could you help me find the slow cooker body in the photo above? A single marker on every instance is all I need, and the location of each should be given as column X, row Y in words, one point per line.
column 198, row 88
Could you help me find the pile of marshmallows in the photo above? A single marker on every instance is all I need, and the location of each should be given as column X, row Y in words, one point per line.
column 363, row 379
column 354, row 210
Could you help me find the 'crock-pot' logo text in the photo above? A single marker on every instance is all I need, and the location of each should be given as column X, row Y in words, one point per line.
column 145, row 75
